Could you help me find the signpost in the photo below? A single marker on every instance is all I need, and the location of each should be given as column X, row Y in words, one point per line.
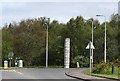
column 90, row 46
column 10, row 57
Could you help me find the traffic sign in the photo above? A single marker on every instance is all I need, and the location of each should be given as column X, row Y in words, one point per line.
column 90, row 46
column 10, row 55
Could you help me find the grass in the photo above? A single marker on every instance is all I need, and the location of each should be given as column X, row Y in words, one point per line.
column 114, row 76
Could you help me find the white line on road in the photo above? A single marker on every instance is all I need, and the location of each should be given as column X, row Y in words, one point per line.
column 18, row 72
column 13, row 71
column 7, row 70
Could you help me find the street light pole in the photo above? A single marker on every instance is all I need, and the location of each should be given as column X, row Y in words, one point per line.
column 105, row 38
column 92, row 42
column 46, row 46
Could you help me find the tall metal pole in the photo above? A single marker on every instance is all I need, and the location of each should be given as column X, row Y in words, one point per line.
column 47, row 47
column 92, row 42
column 90, row 56
column 104, row 39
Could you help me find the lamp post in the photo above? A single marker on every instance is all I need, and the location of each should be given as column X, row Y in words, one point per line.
column 105, row 37
column 46, row 46
column 92, row 39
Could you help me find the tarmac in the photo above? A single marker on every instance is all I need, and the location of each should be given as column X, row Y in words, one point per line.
column 80, row 75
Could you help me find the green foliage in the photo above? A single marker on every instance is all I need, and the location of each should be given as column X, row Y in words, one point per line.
column 7, row 42
column 83, row 61
column 102, row 68
column 105, row 68
column 27, row 40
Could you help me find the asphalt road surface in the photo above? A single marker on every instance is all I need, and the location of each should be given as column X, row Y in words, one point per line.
column 37, row 75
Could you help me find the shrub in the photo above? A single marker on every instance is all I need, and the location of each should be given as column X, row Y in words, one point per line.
column 102, row 68
column 83, row 61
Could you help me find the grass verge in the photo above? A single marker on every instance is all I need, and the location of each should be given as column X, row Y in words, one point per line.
column 112, row 76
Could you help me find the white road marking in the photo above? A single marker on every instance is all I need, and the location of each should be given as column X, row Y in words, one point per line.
column 13, row 71
column 7, row 70
column 20, row 73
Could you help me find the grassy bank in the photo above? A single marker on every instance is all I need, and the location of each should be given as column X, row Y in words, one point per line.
column 113, row 76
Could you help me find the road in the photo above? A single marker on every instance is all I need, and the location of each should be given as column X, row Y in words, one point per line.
column 37, row 74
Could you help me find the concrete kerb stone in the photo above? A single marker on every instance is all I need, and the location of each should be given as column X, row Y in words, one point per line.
column 76, row 77
column 104, row 77
column 95, row 77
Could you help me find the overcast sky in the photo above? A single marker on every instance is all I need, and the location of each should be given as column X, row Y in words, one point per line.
column 16, row 10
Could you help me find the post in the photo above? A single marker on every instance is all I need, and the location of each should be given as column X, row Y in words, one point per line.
column 90, row 46
column 10, row 63
column 112, row 69
column 92, row 42
column 90, row 55
column 105, row 40
column 47, row 47
column 78, row 65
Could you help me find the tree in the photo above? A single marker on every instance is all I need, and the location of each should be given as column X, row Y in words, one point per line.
column 27, row 40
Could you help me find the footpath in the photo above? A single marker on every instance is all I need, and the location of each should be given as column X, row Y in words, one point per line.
column 76, row 73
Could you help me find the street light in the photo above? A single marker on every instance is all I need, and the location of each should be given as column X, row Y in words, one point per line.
column 105, row 37
column 92, row 38
column 46, row 45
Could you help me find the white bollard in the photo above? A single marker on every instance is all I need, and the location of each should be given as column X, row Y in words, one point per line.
column 20, row 63
column 78, row 65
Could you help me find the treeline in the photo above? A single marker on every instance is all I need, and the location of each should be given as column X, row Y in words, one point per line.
column 27, row 39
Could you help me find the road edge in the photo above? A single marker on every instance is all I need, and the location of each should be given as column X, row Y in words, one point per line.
column 67, row 74
column 76, row 77
column 103, row 77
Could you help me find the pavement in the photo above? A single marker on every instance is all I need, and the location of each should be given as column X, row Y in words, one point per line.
column 78, row 74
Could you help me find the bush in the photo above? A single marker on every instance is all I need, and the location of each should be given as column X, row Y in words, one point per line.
column 83, row 61
column 102, row 68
